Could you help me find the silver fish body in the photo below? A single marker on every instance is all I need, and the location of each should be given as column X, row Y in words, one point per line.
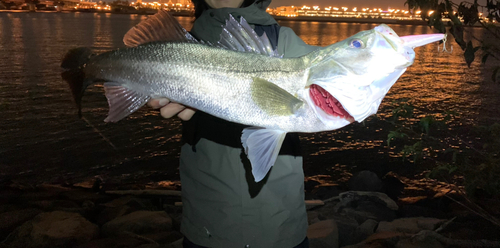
column 213, row 80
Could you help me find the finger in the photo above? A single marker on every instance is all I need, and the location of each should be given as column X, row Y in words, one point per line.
column 158, row 103
column 171, row 109
column 186, row 114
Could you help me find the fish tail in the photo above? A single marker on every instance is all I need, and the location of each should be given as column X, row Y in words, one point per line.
column 73, row 73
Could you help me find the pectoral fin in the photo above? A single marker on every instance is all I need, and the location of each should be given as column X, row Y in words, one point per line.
column 272, row 99
column 262, row 147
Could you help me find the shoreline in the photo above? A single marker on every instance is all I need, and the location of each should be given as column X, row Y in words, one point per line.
column 349, row 20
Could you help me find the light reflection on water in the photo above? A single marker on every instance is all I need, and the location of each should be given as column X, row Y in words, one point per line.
column 40, row 134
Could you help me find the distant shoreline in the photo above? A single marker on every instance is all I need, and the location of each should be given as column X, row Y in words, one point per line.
column 278, row 18
column 349, row 20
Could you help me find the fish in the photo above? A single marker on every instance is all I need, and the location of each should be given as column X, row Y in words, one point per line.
column 242, row 79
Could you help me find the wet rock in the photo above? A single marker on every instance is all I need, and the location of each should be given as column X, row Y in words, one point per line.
column 12, row 219
column 53, row 229
column 409, row 225
column 365, row 181
column 138, row 222
column 323, row 234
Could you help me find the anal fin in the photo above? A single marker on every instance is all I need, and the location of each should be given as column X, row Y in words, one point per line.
column 122, row 101
column 262, row 147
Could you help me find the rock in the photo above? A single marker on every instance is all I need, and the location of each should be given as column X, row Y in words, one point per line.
column 350, row 198
column 312, row 217
column 409, row 225
column 176, row 244
column 365, row 230
column 366, row 205
column 365, row 181
column 148, row 246
column 427, row 242
column 115, row 242
column 421, row 211
column 138, row 222
column 119, row 207
column 54, row 205
column 368, row 210
column 346, row 226
column 379, row 240
column 323, row 234
column 53, row 229
column 325, row 191
column 12, row 219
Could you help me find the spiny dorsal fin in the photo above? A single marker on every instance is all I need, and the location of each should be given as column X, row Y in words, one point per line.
column 274, row 100
column 159, row 27
column 242, row 38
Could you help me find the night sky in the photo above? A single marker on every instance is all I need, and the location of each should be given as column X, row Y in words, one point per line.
column 383, row 4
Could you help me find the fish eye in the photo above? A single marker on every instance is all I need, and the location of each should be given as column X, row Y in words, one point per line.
column 356, row 43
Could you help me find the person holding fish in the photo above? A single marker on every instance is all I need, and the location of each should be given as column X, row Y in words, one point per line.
column 240, row 166
column 222, row 204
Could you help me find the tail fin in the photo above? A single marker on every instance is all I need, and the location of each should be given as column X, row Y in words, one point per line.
column 73, row 74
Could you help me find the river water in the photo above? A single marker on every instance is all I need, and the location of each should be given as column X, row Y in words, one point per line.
column 41, row 137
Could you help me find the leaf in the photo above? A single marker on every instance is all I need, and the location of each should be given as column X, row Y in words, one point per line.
column 426, row 122
column 469, row 53
column 395, row 135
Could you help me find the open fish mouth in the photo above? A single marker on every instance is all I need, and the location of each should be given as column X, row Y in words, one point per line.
column 328, row 103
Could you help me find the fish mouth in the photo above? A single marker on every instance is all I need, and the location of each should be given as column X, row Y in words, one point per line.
column 328, row 103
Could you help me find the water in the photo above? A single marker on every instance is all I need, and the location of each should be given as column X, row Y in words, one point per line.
column 41, row 137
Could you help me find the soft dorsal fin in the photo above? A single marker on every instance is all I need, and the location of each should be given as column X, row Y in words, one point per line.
column 239, row 36
column 160, row 27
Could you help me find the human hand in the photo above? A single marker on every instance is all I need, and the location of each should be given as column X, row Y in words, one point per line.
column 169, row 109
